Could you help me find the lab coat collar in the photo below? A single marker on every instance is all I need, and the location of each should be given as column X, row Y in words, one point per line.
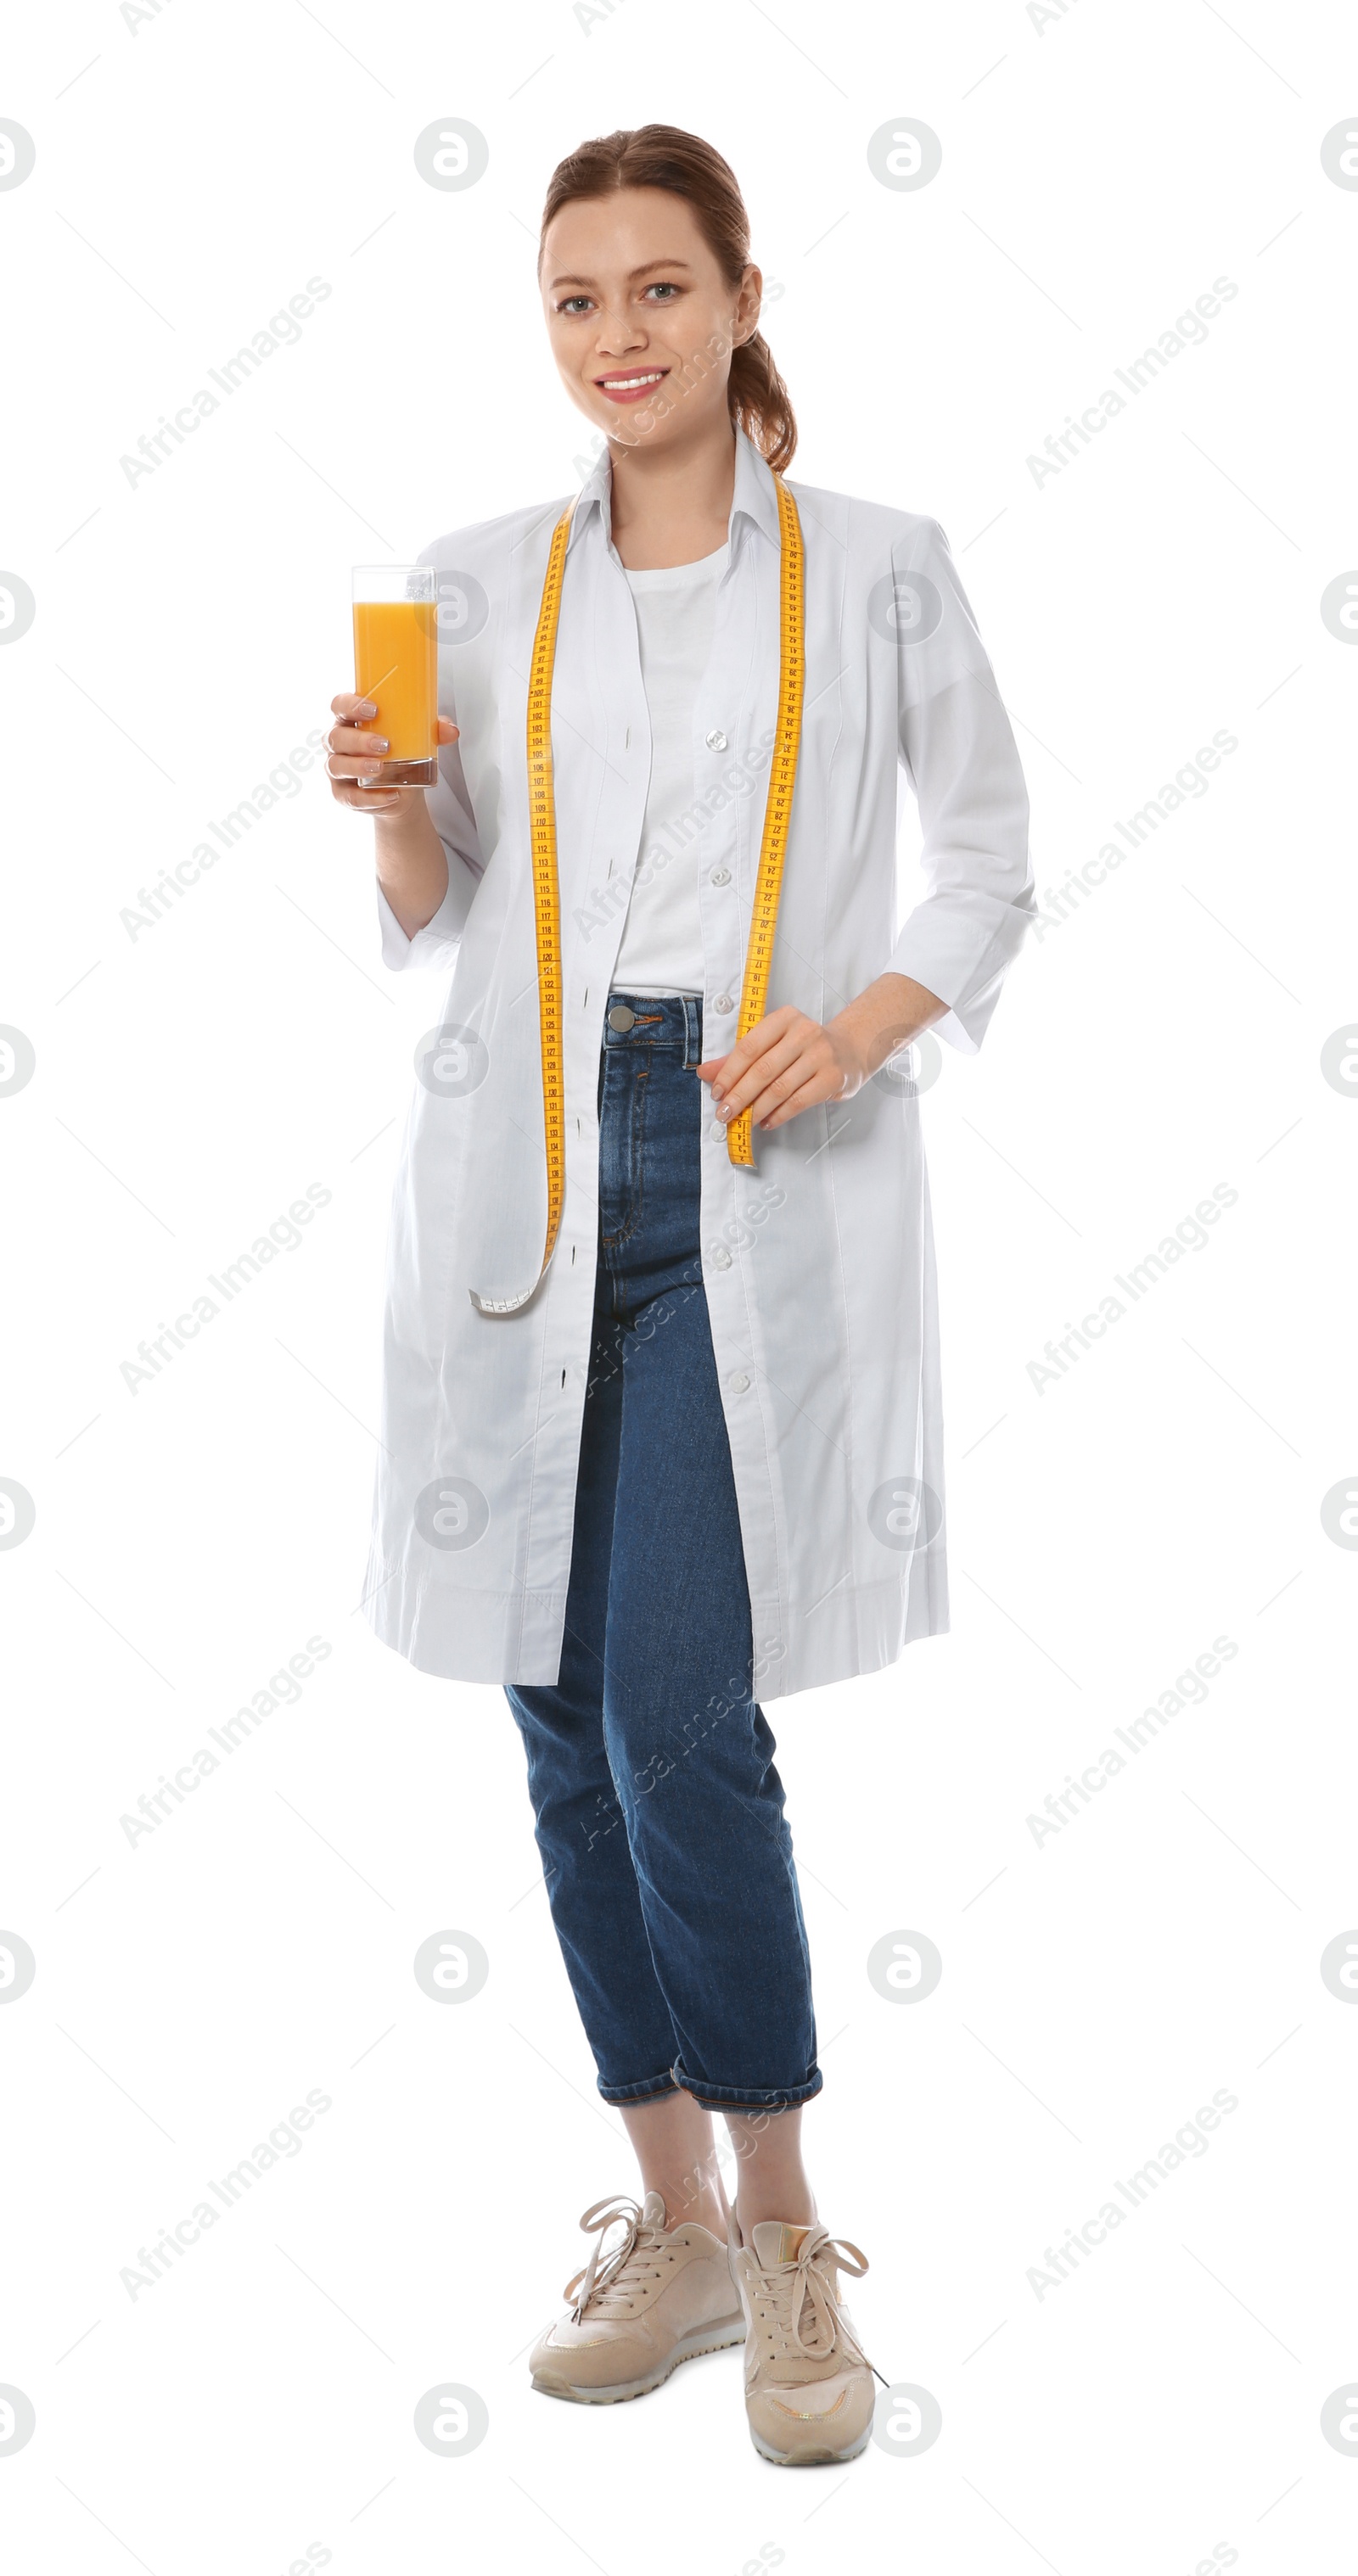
column 754, row 497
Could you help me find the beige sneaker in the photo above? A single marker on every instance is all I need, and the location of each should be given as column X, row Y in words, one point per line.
column 808, row 2384
column 662, row 2296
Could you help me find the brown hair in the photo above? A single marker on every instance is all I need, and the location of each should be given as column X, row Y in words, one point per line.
column 663, row 156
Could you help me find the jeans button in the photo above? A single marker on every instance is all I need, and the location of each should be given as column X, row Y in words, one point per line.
column 722, row 1002
column 721, row 1258
column 738, row 1383
column 620, row 1018
column 721, row 876
column 716, row 740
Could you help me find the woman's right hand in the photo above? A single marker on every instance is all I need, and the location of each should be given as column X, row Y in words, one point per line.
column 355, row 755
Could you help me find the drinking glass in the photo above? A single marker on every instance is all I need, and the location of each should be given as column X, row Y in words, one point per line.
column 396, row 665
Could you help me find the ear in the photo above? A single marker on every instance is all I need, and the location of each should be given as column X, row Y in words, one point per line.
column 749, row 300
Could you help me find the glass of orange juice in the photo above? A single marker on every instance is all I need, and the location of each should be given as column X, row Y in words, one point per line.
column 396, row 664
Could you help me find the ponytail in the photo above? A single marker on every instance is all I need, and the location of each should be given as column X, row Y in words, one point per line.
column 759, row 404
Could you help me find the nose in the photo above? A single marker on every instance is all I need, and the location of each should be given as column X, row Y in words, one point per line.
column 619, row 335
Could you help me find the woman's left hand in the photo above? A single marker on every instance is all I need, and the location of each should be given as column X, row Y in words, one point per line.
column 789, row 1063
column 785, row 1065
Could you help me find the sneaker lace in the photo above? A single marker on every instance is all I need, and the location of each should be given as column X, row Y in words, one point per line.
column 609, row 2283
column 805, row 2291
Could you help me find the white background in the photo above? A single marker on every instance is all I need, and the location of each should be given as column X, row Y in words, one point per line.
column 1099, row 172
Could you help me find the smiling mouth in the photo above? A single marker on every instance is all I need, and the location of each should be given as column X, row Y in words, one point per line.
column 632, row 386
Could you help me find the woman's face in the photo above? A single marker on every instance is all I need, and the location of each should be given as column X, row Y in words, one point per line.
column 641, row 320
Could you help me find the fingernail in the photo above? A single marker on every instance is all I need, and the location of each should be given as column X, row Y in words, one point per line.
column 380, row 742
column 364, row 707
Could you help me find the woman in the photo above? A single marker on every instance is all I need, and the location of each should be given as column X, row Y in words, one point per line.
column 698, row 1456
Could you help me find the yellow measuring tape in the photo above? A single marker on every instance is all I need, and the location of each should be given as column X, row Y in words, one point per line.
column 546, row 909
column 546, row 888
column 778, row 806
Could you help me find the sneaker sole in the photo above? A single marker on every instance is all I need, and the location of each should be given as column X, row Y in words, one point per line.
column 704, row 2339
column 820, row 2459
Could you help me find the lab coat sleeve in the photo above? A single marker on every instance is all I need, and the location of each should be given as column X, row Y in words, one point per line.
column 959, row 753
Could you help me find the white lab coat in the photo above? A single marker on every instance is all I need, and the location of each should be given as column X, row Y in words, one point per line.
column 818, row 1265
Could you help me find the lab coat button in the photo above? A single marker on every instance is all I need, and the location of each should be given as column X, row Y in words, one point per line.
column 721, row 1258
column 717, row 1130
column 738, row 1383
column 721, row 876
column 723, row 1002
column 716, row 740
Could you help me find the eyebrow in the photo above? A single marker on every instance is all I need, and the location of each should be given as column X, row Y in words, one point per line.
column 632, row 273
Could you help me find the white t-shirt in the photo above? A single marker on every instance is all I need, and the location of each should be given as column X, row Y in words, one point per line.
column 662, row 943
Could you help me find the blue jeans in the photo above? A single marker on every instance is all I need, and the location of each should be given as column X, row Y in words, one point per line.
column 660, row 1819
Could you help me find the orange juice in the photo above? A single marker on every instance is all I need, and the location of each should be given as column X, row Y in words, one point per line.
column 396, row 664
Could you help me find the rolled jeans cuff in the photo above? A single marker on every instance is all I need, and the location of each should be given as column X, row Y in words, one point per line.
column 748, row 2097
column 649, row 2090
